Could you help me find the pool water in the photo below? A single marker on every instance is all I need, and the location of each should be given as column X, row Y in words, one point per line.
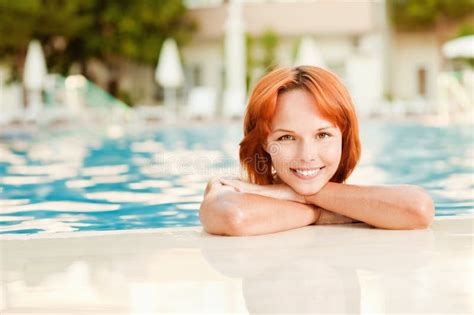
column 97, row 180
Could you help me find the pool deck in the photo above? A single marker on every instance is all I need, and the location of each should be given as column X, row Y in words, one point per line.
column 350, row 269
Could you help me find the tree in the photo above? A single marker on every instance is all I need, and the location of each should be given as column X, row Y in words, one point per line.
column 437, row 15
column 76, row 31
column 267, row 44
column 408, row 15
column 269, row 41
column 52, row 22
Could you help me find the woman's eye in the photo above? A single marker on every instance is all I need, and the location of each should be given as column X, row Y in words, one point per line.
column 323, row 135
column 286, row 137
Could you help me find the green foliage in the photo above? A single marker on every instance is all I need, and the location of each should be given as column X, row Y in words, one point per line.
column 423, row 14
column 78, row 30
column 409, row 15
column 267, row 43
column 48, row 21
column 136, row 29
column 250, row 58
column 465, row 29
column 294, row 48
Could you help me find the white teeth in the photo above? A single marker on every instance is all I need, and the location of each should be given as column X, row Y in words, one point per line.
column 307, row 172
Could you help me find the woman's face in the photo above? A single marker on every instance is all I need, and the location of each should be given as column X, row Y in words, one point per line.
column 304, row 146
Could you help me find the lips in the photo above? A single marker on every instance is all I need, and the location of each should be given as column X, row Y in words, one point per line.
column 307, row 173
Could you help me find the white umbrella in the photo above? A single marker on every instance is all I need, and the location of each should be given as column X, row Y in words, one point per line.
column 34, row 75
column 309, row 54
column 462, row 47
column 235, row 90
column 169, row 72
column 35, row 67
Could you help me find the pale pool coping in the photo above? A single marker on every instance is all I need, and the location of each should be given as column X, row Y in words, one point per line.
column 343, row 269
column 160, row 230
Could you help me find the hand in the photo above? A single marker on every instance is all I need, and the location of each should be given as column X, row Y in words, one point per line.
column 277, row 191
column 214, row 186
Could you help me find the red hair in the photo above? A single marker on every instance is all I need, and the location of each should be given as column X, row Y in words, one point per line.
column 333, row 102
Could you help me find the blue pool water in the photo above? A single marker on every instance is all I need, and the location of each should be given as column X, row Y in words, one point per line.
column 58, row 181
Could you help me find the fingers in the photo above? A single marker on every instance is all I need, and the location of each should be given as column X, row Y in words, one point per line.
column 217, row 184
column 226, row 181
column 223, row 181
column 232, row 183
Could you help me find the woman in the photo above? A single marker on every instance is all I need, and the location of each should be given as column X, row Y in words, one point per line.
column 300, row 144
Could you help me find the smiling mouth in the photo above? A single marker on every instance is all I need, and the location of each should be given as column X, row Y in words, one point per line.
column 308, row 173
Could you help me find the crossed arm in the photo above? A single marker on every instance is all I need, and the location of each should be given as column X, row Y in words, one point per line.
column 228, row 209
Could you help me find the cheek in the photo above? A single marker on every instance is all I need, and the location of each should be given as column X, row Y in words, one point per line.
column 332, row 153
column 282, row 158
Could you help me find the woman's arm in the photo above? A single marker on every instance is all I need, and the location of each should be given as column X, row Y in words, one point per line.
column 225, row 211
column 390, row 207
column 396, row 207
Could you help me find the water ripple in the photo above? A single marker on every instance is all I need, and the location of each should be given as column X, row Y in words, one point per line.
column 78, row 181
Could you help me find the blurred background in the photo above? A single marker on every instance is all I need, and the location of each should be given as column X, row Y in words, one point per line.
column 115, row 114
column 179, row 59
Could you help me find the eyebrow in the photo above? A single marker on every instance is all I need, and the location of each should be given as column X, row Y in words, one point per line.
column 291, row 131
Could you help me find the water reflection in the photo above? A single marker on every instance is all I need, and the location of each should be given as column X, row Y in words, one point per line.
column 325, row 269
column 306, row 271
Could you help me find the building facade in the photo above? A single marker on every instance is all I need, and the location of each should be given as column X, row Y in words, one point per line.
column 349, row 37
column 380, row 65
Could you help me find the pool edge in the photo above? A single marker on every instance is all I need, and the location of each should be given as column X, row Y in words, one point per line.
column 148, row 230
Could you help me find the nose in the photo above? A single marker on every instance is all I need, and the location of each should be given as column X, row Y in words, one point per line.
column 307, row 151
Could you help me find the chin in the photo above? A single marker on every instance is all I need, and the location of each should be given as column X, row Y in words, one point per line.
column 307, row 190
